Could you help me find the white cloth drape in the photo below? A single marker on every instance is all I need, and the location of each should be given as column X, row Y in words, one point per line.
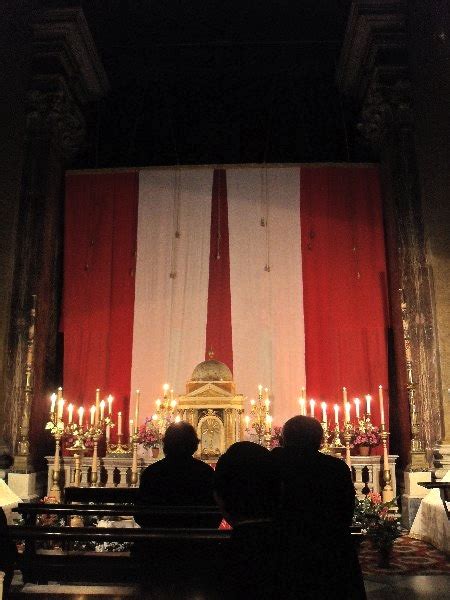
column 431, row 523
column 170, row 312
column 267, row 305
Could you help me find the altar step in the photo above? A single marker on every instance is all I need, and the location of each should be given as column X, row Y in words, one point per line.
column 73, row 592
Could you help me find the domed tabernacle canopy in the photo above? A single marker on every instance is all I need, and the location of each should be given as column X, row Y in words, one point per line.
column 211, row 370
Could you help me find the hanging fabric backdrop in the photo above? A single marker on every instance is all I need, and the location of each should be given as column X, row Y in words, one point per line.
column 279, row 270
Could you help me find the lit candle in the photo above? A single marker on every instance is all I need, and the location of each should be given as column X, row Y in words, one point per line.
column 303, row 393
column 324, row 411
column 171, row 394
column 136, row 408
column 357, row 402
column 119, row 423
column 70, row 411
column 368, row 399
column 52, row 403
column 312, row 404
column 252, row 402
column 269, row 421
column 173, row 404
column 177, row 419
column 266, row 390
column 247, row 421
column 347, row 412
column 155, row 417
column 302, row 406
column 97, row 405
column 80, row 416
column 260, row 391
column 380, row 395
column 158, row 403
column 267, row 403
column 131, row 428
column 102, row 410
column 110, row 401
column 93, row 411
column 336, row 414
column 344, row 394
column 60, row 409
column 60, row 390
column 166, row 387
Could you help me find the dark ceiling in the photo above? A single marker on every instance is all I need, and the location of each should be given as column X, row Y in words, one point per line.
column 209, row 81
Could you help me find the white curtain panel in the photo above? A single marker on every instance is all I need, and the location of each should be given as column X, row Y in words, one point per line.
column 266, row 285
column 170, row 312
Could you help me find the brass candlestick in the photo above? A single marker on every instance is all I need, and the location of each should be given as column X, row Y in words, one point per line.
column 260, row 420
column 347, row 435
column 56, row 479
column 336, row 438
column 326, row 449
column 134, row 468
column 118, row 449
column 77, row 472
column 94, row 470
column 387, row 492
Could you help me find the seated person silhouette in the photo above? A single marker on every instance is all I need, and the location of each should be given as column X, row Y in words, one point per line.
column 317, row 507
column 8, row 553
column 246, row 487
column 177, row 480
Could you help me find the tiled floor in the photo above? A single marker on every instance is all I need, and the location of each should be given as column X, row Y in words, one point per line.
column 411, row 587
column 382, row 587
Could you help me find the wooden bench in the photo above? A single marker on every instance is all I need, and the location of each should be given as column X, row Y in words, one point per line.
column 158, row 554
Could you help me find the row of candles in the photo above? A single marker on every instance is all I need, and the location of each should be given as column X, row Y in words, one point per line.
column 168, row 405
column 346, row 404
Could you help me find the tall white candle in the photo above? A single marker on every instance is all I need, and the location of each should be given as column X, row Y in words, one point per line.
column 136, row 408
column 380, row 395
column 110, row 401
column 266, row 391
column 102, row 410
column 131, row 428
column 344, row 395
column 347, row 412
column 166, row 387
column 368, row 399
column 70, row 411
column 80, row 416
column 93, row 412
column 60, row 390
column 324, row 412
column 303, row 393
column 108, row 432
column 247, row 421
column 357, row 402
column 119, row 423
column 336, row 414
column 52, row 403
column 312, row 404
column 260, row 387
column 97, row 405
column 60, row 409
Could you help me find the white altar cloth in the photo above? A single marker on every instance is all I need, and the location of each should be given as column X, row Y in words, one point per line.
column 431, row 524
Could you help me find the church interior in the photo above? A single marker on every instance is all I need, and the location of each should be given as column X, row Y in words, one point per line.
column 225, row 214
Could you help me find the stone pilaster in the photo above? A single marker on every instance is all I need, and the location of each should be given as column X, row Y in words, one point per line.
column 374, row 77
column 66, row 74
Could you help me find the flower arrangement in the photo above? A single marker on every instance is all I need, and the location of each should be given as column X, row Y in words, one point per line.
column 377, row 521
column 148, row 434
column 276, row 437
column 364, row 436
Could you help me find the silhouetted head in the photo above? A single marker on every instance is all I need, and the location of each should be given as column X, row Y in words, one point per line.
column 246, row 483
column 303, row 432
column 180, row 440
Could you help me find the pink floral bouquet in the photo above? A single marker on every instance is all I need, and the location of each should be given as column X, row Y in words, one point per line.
column 148, row 434
column 369, row 438
column 276, row 437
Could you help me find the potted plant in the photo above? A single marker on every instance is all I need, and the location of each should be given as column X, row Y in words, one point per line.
column 149, row 436
column 381, row 526
column 365, row 437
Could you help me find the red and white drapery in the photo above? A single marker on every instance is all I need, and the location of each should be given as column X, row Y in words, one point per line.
column 279, row 270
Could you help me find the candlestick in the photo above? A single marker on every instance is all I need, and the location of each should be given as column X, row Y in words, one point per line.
column 347, row 412
column 70, row 411
column 136, row 408
column 380, row 396
column 80, row 416
column 387, row 492
column 357, row 402
column 119, row 423
column 324, row 411
column 97, row 405
column 94, row 468
column 52, row 403
column 302, row 405
column 311, row 407
column 368, row 399
column 110, row 401
column 93, row 412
